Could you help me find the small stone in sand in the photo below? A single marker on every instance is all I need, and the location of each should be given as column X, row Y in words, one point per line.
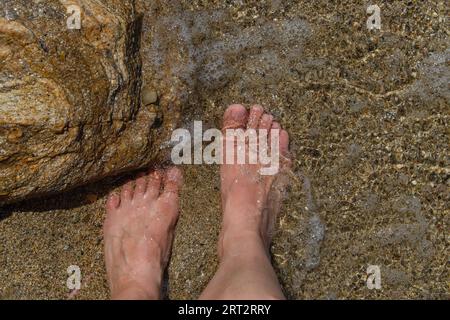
column 91, row 198
column 149, row 96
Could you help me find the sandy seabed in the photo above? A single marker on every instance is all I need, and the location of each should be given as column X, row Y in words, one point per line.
column 367, row 112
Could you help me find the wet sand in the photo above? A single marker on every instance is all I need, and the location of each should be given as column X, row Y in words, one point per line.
column 368, row 116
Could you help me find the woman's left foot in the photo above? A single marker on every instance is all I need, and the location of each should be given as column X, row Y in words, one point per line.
column 138, row 233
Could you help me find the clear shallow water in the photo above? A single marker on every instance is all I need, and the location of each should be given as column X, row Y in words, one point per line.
column 367, row 114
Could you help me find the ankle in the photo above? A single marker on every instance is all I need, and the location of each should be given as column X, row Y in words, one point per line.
column 133, row 291
column 236, row 204
column 242, row 244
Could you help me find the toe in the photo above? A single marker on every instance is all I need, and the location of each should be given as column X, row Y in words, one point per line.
column 169, row 198
column 266, row 122
column 235, row 117
column 141, row 186
column 275, row 129
column 284, row 143
column 255, row 115
column 154, row 184
column 127, row 192
column 112, row 202
column 172, row 180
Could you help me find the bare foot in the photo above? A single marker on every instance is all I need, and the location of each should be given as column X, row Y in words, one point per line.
column 250, row 204
column 250, row 201
column 138, row 233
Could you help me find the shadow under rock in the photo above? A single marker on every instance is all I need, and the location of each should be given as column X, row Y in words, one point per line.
column 68, row 199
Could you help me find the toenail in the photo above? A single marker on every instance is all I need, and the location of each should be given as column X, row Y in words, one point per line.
column 258, row 108
column 237, row 111
column 173, row 175
column 155, row 175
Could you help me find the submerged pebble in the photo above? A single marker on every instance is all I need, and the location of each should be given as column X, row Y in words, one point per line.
column 149, row 96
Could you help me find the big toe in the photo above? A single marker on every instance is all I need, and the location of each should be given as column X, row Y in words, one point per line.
column 235, row 117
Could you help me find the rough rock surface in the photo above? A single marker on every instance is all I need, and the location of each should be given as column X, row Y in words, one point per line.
column 69, row 99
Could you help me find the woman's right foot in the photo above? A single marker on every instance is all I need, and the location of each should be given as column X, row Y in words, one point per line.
column 250, row 200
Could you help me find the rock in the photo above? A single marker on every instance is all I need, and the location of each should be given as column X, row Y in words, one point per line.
column 149, row 96
column 91, row 198
column 70, row 111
